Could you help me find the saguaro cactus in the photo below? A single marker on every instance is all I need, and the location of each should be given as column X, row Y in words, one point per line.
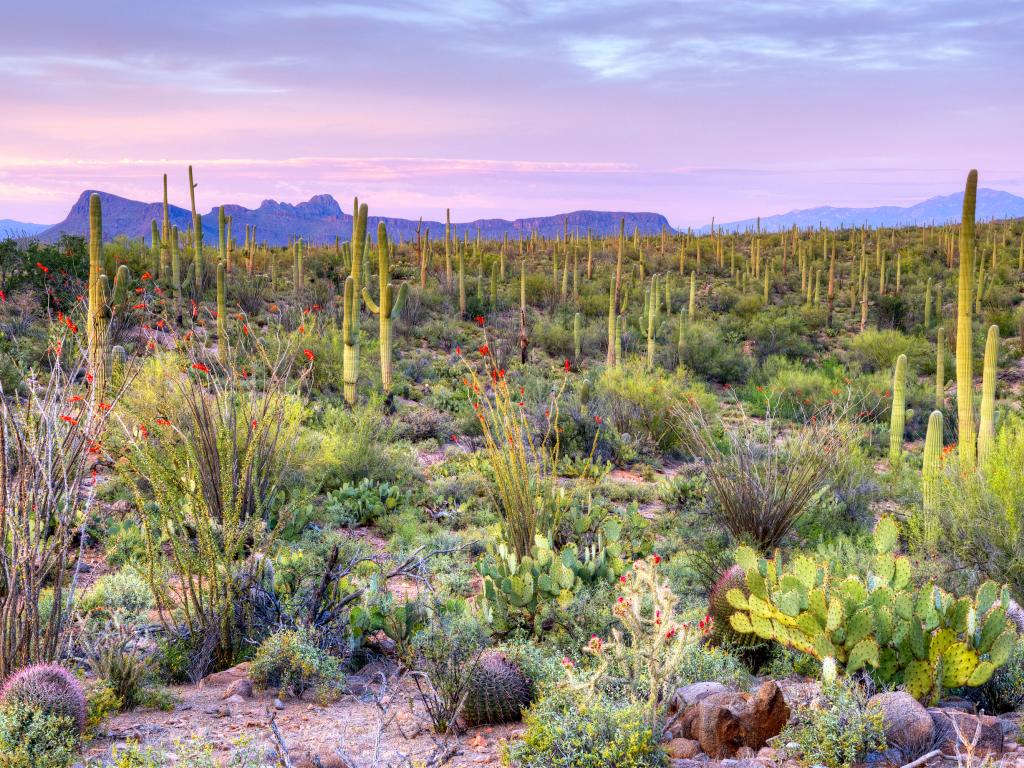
column 197, row 236
column 986, row 424
column 940, row 367
column 222, row 313
column 350, row 310
column 930, row 468
column 298, row 276
column 97, row 322
column 577, row 324
column 388, row 304
column 964, row 331
column 898, row 416
column 613, row 310
column 165, row 237
column 692, row 313
column 653, row 305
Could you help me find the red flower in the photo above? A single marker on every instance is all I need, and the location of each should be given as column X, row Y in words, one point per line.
column 3, row 296
column 302, row 328
column 567, row 365
column 455, row 438
column 657, row 559
column 598, row 419
column 163, row 422
column 458, row 350
column 201, row 367
column 44, row 268
column 480, row 320
column 88, row 377
column 138, row 306
column 484, row 350
column 143, row 431
column 104, row 406
column 70, row 420
column 309, row 354
column 146, row 276
column 76, row 398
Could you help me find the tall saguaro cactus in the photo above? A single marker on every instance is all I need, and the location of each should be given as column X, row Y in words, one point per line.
column 387, row 305
column 930, row 468
column 197, row 235
column 222, row 313
column 986, row 424
column 613, row 310
column 350, row 308
column 898, row 416
column 97, row 323
column 964, row 330
column 653, row 306
column 940, row 367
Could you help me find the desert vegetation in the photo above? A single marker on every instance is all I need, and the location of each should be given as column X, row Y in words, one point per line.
column 570, row 501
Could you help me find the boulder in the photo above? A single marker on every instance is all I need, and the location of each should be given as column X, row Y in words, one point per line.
column 690, row 695
column 241, row 688
column 682, row 749
column 227, row 677
column 908, row 725
column 724, row 722
column 988, row 729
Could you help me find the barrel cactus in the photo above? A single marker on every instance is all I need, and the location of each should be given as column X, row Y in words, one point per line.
column 497, row 692
column 49, row 688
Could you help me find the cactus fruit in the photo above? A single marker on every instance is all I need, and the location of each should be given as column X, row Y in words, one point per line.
column 964, row 331
column 98, row 310
column 497, row 691
column 986, row 422
column 898, row 416
column 49, row 688
column 923, row 638
column 388, row 304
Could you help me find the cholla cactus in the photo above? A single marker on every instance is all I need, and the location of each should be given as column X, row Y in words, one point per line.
column 652, row 641
column 47, row 687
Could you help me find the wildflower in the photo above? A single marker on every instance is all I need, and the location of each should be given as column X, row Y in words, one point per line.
column 670, row 634
column 598, row 420
column 309, row 354
column 3, row 296
column 195, row 308
column 146, row 276
column 70, row 420
column 139, row 306
column 201, row 367
column 302, row 328
column 480, row 320
column 567, row 365
column 104, row 406
column 43, row 267
column 89, row 377
column 163, row 422
column 458, row 350
column 143, row 431
column 455, row 438
column 484, row 350
column 76, row 398
column 95, row 447
column 245, row 329
column 657, row 559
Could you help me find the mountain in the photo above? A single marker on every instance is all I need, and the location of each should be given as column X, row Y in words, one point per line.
column 321, row 219
column 992, row 204
column 12, row 228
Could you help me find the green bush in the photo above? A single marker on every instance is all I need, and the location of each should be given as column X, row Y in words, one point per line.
column 641, row 403
column 877, row 350
column 123, row 595
column 290, row 662
column 33, row 738
column 359, row 444
column 839, row 733
column 702, row 663
column 704, row 351
column 567, row 731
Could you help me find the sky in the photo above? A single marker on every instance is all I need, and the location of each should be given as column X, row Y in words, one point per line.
column 508, row 108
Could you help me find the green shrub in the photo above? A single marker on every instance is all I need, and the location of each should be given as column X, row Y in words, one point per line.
column 639, row 402
column 839, row 733
column 704, row 351
column 290, row 662
column 34, row 738
column 702, row 663
column 877, row 350
column 359, row 444
column 567, row 731
column 123, row 595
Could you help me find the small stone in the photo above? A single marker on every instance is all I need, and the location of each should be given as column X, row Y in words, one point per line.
column 278, row 704
column 236, row 699
column 744, row 753
column 682, row 749
column 767, row 753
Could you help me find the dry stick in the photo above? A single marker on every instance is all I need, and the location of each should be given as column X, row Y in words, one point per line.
column 279, row 746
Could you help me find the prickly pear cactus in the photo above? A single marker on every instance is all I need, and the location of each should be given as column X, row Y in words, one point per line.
column 924, row 639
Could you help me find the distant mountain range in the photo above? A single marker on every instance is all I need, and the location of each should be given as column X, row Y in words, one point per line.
column 12, row 228
column 321, row 219
column 992, row 204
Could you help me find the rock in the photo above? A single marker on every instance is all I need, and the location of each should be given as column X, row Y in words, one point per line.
column 218, row 712
column 278, row 704
column 682, row 749
column 241, row 688
column 1016, row 614
column 767, row 753
column 235, row 699
column 724, row 722
column 990, row 736
column 227, row 677
column 690, row 695
column 745, row 753
column 799, row 692
column 907, row 724
column 687, row 764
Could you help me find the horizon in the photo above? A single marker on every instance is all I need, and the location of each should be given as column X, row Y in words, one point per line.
column 508, row 110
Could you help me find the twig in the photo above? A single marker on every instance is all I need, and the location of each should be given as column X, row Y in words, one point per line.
column 279, row 746
column 923, row 759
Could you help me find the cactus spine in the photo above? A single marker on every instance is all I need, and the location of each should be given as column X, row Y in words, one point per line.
column 222, row 313
column 964, row 332
column 897, row 419
column 930, row 479
column 986, row 424
column 389, row 303
column 97, row 325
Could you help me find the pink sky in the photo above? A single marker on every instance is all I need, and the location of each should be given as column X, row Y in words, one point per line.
column 511, row 108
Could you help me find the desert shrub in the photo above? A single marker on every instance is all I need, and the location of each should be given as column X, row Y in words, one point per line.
column 704, row 351
column 564, row 730
column 123, row 595
column 31, row 737
column 702, row 663
column 791, row 390
column 981, row 514
column 779, row 332
column 636, row 401
column 839, row 733
column 447, row 651
column 767, row 474
column 360, row 444
column 123, row 543
column 289, row 662
column 877, row 350
column 113, row 657
column 683, row 492
column 351, row 505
